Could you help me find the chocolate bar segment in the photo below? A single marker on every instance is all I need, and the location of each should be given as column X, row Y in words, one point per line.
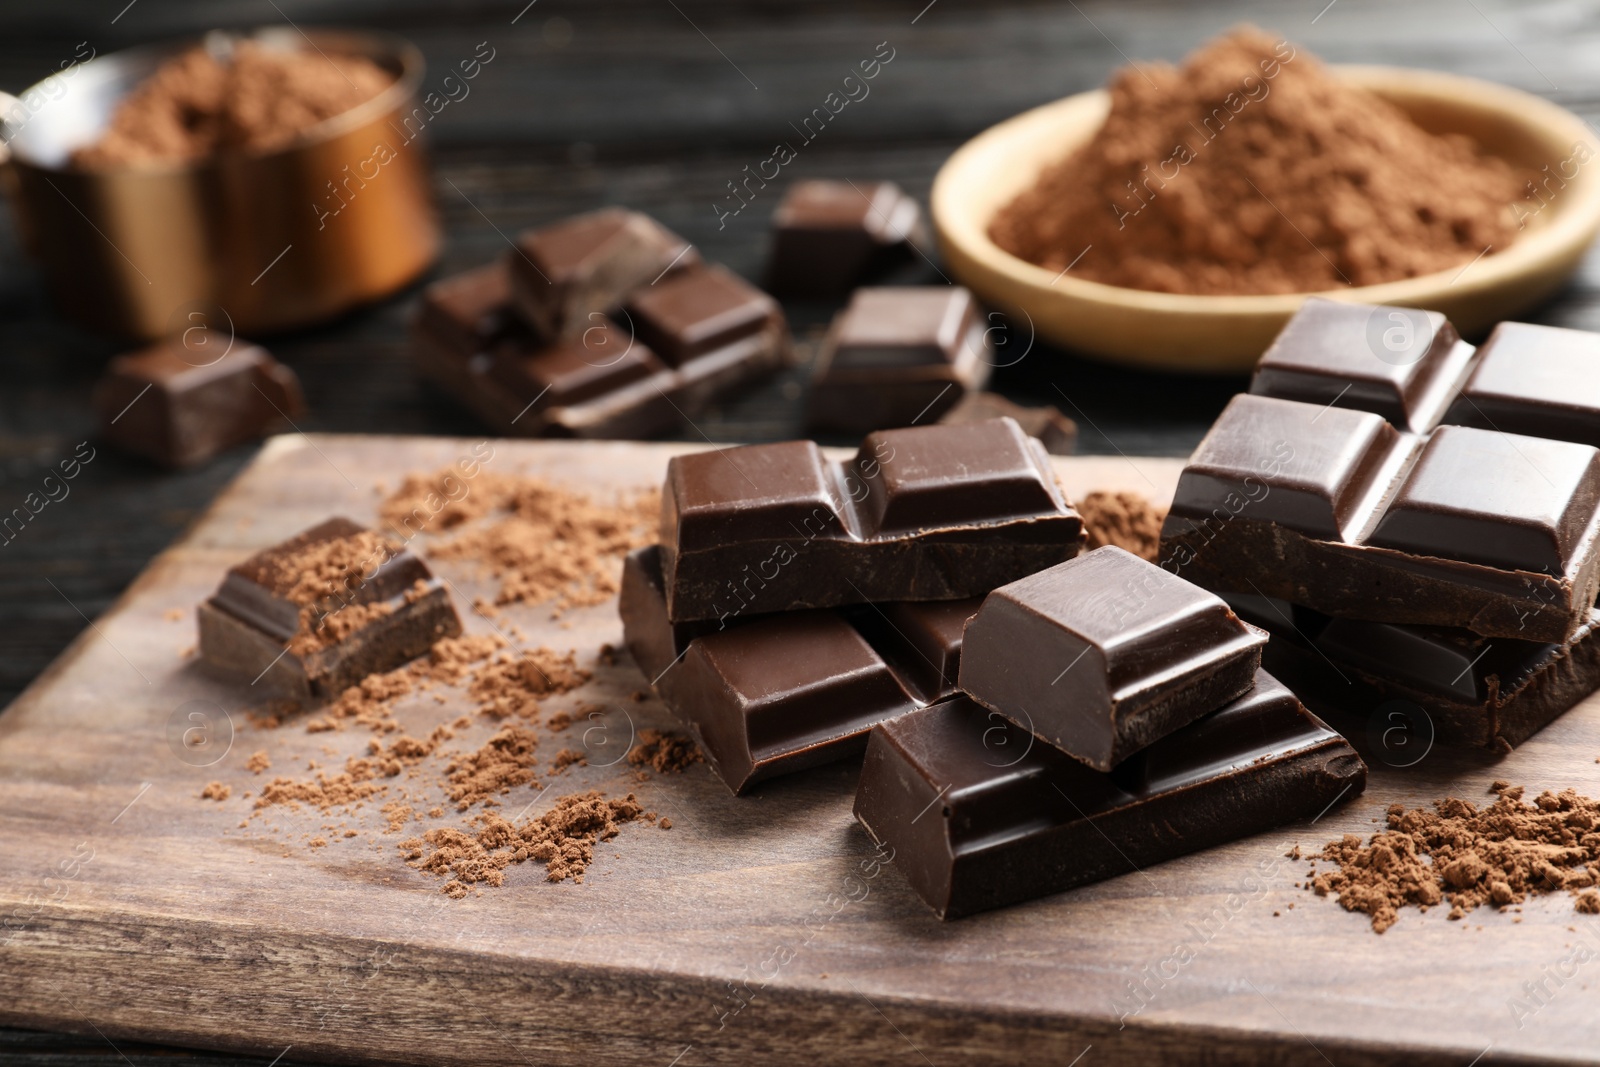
column 829, row 236
column 564, row 277
column 1540, row 381
column 1484, row 692
column 1055, row 431
column 319, row 612
column 768, row 695
column 898, row 356
column 981, row 815
column 1105, row 654
column 471, row 312
column 1400, row 363
column 1319, row 506
column 180, row 402
column 927, row 513
column 699, row 311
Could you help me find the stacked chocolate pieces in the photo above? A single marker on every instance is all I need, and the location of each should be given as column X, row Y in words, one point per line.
column 1421, row 515
column 1111, row 716
column 602, row 325
column 795, row 601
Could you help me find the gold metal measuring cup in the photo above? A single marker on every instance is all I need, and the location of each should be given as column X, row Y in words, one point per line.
column 253, row 242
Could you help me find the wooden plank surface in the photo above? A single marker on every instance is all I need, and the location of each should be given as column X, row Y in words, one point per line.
column 183, row 928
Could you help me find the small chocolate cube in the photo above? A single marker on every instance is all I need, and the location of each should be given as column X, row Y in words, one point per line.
column 566, row 274
column 703, row 310
column 1055, row 431
column 321, row 611
column 829, row 236
column 182, row 401
column 898, row 356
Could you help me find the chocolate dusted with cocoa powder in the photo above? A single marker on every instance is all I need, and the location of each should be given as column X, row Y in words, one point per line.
column 321, row 611
column 923, row 513
column 180, row 402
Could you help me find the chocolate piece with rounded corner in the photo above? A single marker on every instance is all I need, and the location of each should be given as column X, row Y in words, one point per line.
column 830, row 236
column 1539, row 381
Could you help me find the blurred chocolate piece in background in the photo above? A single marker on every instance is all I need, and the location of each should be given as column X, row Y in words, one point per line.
column 830, row 236
column 182, row 401
column 1058, row 433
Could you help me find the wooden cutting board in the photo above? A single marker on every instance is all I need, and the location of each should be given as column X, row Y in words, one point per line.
column 754, row 930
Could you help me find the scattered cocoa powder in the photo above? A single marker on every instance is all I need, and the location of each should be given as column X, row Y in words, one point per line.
column 542, row 542
column 568, row 757
column 562, row 838
column 258, row 762
column 198, row 104
column 511, row 685
column 1253, row 169
column 664, row 753
column 397, row 814
column 216, row 791
column 1126, row 520
column 1469, row 856
column 505, row 761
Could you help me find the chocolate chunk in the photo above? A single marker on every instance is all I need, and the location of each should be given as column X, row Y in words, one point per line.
column 1105, row 654
column 829, row 236
column 1333, row 509
column 319, row 612
column 1055, row 431
column 1486, row 692
column 180, row 402
column 565, row 276
column 1400, row 363
column 925, row 513
column 703, row 311
column 772, row 694
column 470, row 312
column 1540, row 381
column 980, row 814
column 898, row 356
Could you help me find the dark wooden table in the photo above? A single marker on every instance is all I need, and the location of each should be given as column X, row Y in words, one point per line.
column 655, row 104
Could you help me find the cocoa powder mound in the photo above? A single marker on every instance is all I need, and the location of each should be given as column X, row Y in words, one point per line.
column 247, row 98
column 543, row 543
column 1469, row 856
column 562, row 838
column 1253, row 169
column 664, row 753
column 1126, row 520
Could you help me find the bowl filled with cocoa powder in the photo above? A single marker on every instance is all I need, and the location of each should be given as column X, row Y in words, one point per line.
column 1177, row 218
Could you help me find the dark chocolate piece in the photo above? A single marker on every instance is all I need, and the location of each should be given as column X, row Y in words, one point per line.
column 925, row 513
column 566, row 276
column 772, row 694
column 183, row 400
column 603, row 383
column 898, row 356
column 1333, row 509
column 703, row 311
column 1541, row 381
column 259, row 625
column 1055, row 431
column 980, row 814
column 1105, row 654
column 1485, row 692
column 1401, row 363
column 829, row 236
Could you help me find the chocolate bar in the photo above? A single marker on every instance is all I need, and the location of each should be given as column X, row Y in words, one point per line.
column 898, row 356
column 1105, row 654
column 1534, row 380
column 321, row 611
column 1334, row 509
column 1476, row 691
column 1055, row 431
column 829, row 236
column 182, row 401
column 567, row 276
column 771, row 694
column 606, row 382
column 980, row 814
column 924, row 513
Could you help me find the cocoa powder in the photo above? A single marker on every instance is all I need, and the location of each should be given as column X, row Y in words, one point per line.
column 1253, row 169
column 1126, row 520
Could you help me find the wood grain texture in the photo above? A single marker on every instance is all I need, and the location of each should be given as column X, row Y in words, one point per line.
column 183, row 928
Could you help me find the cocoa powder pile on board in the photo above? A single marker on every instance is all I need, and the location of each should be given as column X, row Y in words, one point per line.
column 248, row 98
column 1252, row 169
column 1126, row 520
column 1469, row 856
column 542, row 542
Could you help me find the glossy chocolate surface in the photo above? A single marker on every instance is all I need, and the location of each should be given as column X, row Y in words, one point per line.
column 1055, row 431
column 1542, row 381
column 180, row 402
column 698, row 311
column 926, row 513
column 1105, row 654
column 768, row 695
column 980, row 814
column 829, row 236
